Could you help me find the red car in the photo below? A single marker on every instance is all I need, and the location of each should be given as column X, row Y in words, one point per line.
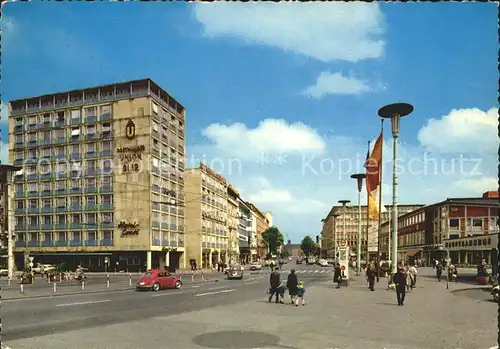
column 157, row 279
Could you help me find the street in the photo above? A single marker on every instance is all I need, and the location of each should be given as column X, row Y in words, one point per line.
column 236, row 314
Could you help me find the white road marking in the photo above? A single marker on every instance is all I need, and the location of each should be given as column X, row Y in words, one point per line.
column 167, row 294
column 211, row 293
column 64, row 296
column 217, row 288
column 83, row 303
column 316, row 271
column 251, row 283
column 195, row 286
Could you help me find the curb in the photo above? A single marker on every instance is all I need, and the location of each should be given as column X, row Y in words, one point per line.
column 89, row 292
column 470, row 288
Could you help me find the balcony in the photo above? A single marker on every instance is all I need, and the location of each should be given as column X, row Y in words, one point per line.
column 104, row 117
column 33, row 243
column 18, row 162
column 61, row 243
column 60, row 226
column 107, row 207
column 76, row 156
column 60, row 209
column 60, row 140
column 45, row 142
column 107, row 225
column 90, row 242
column 92, row 207
column 47, row 209
column 156, row 206
column 90, row 119
column 91, row 154
column 76, row 191
column 107, row 134
column 155, row 188
column 106, row 242
column 20, row 210
column 173, row 243
column 46, row 193
column 61, row 192
column 165, row 243
column 19, row 128
column 47, row 226
column 90, row 137
column 20, row 227
column 76, row 226
column 180, row 244
column 32, row 127
column 46, row 176
column 107, row 189
column 18, row 178
column 21, row 244
column 76, row 243
column 75, row 139
column 91, row 172
column 75, row 208
column 33, row 193
column 33, row 227
column 32, row 177
column 173, row 227
column 156, row 224
column 165, row 225
column 47, row 243
column 156, row 242
column 18, row 145
column 19, row 194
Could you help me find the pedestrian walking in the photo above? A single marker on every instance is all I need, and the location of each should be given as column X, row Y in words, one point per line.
column 412, row 270
column 301, row 290
column 439, row 270
column 370, row 275
column 399, row 280
column 274, row 283
column 337, row 275
column 292, row 284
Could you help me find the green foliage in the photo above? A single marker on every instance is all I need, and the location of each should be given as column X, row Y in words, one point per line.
column 273, row 238
column 307, row 245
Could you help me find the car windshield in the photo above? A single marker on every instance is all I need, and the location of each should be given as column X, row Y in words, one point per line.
column 148, row 274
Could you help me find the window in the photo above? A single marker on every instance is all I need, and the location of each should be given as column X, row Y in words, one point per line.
column 61, row 219
column 92, row 235
column 91, row 200
column 20, row 220
column 46, row 203
column 154, row 106
column 60, row 151
column 19, row 155
column 19, row 121
column 107, row 217
column 106, row 127
column 46, row 186
column 75, row 131
column 155, row 126
column 106, row 199
column 75, row 114
column 106, row 166
column 32, row 153
column 477, row 222
column 76, row 166
column 90, row 129
column 59, row 133
column 75, row 149
column 106, row 146
column 91, row 164
column 107, row 235
column 20, row 204
column 107, row 181
column 61, row 236
column 33, row 220
column 454, row 223
column 76, row 183
column 155, row 162
column 90, row 112
column 46, row 118
column 90, row 183
column 32, row 187
column 18, row 138
column 46, row 136
column 76, row 201
column 61, row 115
column 45, row 152
column 105, row 109
column 76, row 236
column 32, row 120
column 61, row 202
column 91, row 218
column 32, row 203
column 47, row 220
column 76, row 218
column 91, row 147
column 61, row 167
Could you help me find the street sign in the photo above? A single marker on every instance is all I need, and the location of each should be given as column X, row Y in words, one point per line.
column 31, row 258
column 31, row 264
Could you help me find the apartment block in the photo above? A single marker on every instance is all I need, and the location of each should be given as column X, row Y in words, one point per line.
column 207, row 217
column 340, row 227
column 102, row 179
column 261, row 225
column 246, row 236
column 463, row 228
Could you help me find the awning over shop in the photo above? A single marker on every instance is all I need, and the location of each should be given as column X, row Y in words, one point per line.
column 411, row 253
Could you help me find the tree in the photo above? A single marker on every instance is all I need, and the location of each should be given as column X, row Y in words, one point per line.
column 307, row 245
column 273, row 239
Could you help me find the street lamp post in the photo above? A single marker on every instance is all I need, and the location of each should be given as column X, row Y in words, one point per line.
column 344, row 205
column 395, row 112
column 359, row 178
column 335, row 216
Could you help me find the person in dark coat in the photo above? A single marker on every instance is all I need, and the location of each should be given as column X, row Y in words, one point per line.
column 292, row 284
column 399, row 280
column 370, row 275
column 439, row 270
column 337, row 275
column 274, row 284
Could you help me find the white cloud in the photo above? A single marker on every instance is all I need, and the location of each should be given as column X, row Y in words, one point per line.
column 4, row 153
column 324, row 31
column 337, row 83
column 477, row 185
column 462, row 130
column 270, row 136
column 4, row 113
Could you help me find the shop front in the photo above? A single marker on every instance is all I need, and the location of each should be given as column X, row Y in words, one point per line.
column 471, row 250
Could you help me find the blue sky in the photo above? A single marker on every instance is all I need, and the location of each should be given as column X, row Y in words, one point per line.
column 300, row 83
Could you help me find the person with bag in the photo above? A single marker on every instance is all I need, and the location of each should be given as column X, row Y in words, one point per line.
column 274, row 283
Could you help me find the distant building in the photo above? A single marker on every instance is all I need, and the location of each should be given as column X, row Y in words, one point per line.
column 293, row 249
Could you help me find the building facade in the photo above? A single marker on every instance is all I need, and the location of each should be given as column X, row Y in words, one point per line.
column 463, row 228
column 245, row 234
column 333, row 233
column 101, row 168
column 269, row 218
column 262, row 224
column 232, row 223
column 207, row 231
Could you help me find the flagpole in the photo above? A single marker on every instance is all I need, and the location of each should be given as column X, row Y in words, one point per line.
column 367, row 212
column 380, row 190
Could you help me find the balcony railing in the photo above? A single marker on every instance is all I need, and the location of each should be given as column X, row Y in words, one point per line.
column 76, row 243
column 156, row 242
column 61, row 243
column 33, row 243
column 21, row 243
column 47, row 243
column 90, row 242
column 106, row 242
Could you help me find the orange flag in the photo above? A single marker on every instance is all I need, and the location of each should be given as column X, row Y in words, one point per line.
column 373, row 181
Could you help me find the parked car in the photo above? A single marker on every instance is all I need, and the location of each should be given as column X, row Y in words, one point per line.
column 157, row 279
column 299, row 261
column 323, row 263
column 43, row 268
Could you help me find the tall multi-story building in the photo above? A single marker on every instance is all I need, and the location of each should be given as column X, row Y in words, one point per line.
column 333, row 233
column 463, row 228
column 269, row 217
column 245, row 235
column 102, row 183
column 262, row 224
column 207, row 232
column 233, row 197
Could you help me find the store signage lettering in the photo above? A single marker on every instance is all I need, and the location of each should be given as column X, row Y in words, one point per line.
column 212, row 173
column 129, row 157
column 128, row 228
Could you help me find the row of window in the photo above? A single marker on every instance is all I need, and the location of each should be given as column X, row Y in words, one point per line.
column 476, row 222
column 64, row 151
column 63, row 184
column 89, row 219
column 165, row 114
column 73, row 201
column 61, row 135
column 165, row 218
column 73, row 114
column 66, row 236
